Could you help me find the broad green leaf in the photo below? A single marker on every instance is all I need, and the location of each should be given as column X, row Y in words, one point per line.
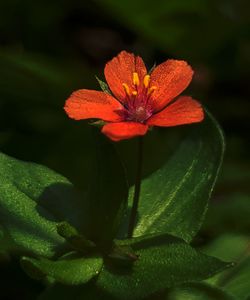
column 30, row 227
column 174, row 199
column 197, row 291
column 71, row 271
column 163, row 262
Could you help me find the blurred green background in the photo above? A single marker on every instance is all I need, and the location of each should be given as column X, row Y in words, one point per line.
column 50, row 48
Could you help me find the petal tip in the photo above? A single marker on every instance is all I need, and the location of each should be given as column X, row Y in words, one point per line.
column 183, row 64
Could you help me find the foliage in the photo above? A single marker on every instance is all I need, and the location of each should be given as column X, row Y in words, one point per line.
column 34, row 201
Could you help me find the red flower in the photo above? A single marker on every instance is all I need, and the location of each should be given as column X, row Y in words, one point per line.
column 139, row 100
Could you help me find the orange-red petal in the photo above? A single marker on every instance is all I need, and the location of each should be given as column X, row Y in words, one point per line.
column 184, row 110
column 124, row 130
column 86, row 104
column 120, row 70
column 171, row 78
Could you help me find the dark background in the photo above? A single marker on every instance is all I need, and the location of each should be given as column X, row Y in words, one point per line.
column 50, row 48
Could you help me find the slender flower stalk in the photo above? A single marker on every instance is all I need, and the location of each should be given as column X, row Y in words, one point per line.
column 137, row 189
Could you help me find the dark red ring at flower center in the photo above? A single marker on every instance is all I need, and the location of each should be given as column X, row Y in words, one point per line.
column 137, row 103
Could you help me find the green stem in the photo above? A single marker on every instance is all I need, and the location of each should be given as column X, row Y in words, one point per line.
column 137, row 190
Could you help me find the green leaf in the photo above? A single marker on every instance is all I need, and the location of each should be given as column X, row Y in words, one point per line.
column 174, row 199
column 163, row 261
column 197, row 291
column 30, row 226
column 71, row 271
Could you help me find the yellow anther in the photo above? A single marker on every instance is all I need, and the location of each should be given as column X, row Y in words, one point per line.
column 134, row 93
column 151, row 89
column 146, row 80
column 136, row 80
column 126, row 88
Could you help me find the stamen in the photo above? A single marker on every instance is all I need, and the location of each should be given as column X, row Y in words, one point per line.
column 146, row 80
column 134, row 93
column 151, row 90
column 136, row 80
column 126, row 88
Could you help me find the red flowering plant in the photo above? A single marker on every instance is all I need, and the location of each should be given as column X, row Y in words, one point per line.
column 111, row 240
column 139, row 99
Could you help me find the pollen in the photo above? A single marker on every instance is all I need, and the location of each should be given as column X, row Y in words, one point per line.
column 146, row 80
column 134, row 93
column 136, row 80
column 151, row 89
column 126, row 88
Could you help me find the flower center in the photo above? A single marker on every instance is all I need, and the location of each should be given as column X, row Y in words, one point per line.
column 138, row 106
